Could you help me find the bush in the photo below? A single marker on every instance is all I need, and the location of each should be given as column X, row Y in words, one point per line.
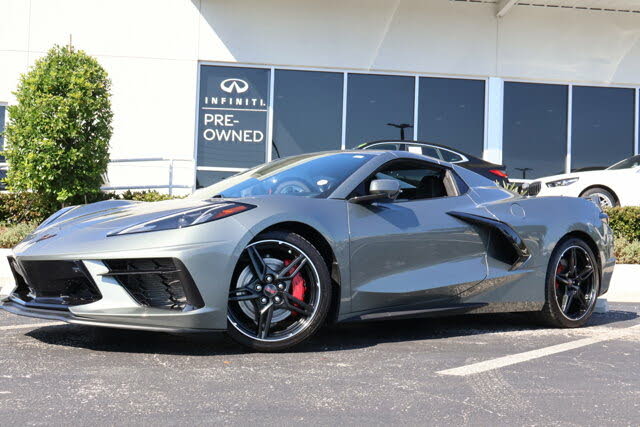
column 58, row 133
column 146, row 196
column 11, row 235
column 625, row 222
column 627, row 251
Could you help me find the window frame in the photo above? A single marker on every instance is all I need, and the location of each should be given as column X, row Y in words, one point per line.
column 450, row 175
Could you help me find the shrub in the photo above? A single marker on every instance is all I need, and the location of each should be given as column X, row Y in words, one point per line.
column 58, row 133
column 625, row 222
column 24, row 207
column 627, row 251
column 11, row 235
column 146, row 196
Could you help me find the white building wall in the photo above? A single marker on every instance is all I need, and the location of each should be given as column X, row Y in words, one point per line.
column 151, row 50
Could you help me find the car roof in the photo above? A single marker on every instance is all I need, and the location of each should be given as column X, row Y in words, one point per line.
column 415, row 141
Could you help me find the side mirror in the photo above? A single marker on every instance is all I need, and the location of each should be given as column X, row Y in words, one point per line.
column 380, row 189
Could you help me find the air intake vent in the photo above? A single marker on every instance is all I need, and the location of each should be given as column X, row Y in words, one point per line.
column 156, row 282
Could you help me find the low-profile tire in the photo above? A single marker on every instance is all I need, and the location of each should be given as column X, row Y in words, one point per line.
column 572, row 285
column 280, row 292
column 607, row 200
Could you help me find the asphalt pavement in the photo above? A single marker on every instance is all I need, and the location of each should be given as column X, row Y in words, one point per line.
column 467, row 370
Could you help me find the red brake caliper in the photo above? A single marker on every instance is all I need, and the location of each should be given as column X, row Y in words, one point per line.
column 559, row 270
column 298, row 286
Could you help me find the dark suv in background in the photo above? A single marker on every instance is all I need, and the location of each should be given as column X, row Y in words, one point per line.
column 492, row 171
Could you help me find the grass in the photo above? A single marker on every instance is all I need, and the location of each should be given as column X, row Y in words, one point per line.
column 11, row 235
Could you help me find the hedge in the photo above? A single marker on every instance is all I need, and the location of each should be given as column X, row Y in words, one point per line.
column 625, row 222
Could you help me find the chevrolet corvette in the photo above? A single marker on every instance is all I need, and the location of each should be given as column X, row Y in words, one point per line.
column 272, row 254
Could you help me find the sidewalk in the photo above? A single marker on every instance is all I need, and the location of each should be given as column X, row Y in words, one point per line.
column 625, row 285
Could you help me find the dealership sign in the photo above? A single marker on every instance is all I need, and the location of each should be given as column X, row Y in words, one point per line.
column 232, row 116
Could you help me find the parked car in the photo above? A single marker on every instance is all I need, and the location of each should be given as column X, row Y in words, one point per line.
column 270, row 254
column 618, row 185
column 492, row 171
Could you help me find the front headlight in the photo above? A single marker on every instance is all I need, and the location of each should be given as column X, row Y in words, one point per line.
column 562, row 182
column 187, row 218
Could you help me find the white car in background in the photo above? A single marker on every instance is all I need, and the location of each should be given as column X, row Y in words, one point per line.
column 618, row 185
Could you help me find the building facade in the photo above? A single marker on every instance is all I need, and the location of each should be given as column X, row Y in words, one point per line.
column 203, row 89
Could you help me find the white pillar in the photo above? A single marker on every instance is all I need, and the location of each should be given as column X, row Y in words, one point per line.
column 494, row 113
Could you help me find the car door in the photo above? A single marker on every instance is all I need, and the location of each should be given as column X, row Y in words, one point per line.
column 411, row 252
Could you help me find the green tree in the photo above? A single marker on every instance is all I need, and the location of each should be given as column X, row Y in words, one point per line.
column 58, row 133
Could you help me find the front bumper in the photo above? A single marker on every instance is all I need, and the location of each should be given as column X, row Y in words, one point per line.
column 209, row 261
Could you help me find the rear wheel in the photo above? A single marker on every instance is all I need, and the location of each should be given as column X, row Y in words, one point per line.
column 280, row 292
column 573, row 283
column 607, row 200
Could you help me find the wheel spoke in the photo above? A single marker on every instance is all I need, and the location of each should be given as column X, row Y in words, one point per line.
column 585, row 274
column 301, row 307
column 567, row 299
column 257, row 263
column 573, row 262
column 264, row 321
column 244, row 293
column 296, row 265
column 581, row 299
column 562, row 279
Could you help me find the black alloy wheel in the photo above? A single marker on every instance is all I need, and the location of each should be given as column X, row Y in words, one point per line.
column 280, row 292
column 573, row 284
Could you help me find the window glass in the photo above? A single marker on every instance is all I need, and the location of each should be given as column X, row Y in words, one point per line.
column 307, row 112
column 232, row 116
column 602, row 126
column 451, row 112
column 207, row 178
column 425, row 150
column 417, row 181
column 534, row 129
column 374, row 104
column 450, row 156
column 393, row 147
column 631, row 162
column 308, row 175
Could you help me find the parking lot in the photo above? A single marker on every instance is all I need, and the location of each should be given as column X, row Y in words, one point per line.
column 374, row 373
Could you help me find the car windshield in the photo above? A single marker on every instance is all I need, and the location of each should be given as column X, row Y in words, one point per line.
column 309, row 175
column 631, row 162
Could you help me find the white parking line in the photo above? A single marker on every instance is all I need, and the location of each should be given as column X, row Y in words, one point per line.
column 30, row 325
column 513, row 359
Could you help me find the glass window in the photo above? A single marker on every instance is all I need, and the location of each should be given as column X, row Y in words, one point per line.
column 534, row 129
column 417, row 180
column 451, row 112
column 232, row 116
column 309, row 175
column 425, row 150
column 450, row 156
column 602, row 126
column 385, row 146
column 207, row 178
column 631, row 162
column 307, row 112
column 376, row 104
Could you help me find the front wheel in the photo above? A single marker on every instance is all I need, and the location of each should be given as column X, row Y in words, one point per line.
column 607, row 200
column 280, row 292
column 573, row 283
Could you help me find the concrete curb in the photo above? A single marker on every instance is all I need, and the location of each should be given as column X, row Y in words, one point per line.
column 625, row 284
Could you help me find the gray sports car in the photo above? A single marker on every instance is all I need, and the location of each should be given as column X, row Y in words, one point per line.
column 271, row 254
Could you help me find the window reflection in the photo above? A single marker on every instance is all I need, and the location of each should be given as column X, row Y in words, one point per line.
column 602, row 126
column 451, row 112
column 307, row 112
column 374, row 104
column 534, row 129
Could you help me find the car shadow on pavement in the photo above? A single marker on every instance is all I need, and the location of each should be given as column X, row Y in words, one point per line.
column 331, row 338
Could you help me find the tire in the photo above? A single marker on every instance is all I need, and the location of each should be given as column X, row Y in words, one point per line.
column 575, row 309
column 607, row 200
column 287, row 302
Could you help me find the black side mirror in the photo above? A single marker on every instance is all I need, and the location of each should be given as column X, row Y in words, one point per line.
column 380, row 189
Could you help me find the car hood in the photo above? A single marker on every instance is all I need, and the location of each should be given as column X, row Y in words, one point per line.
column 114, row 215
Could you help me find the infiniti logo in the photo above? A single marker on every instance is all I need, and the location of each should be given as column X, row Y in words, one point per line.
column 234, row 85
